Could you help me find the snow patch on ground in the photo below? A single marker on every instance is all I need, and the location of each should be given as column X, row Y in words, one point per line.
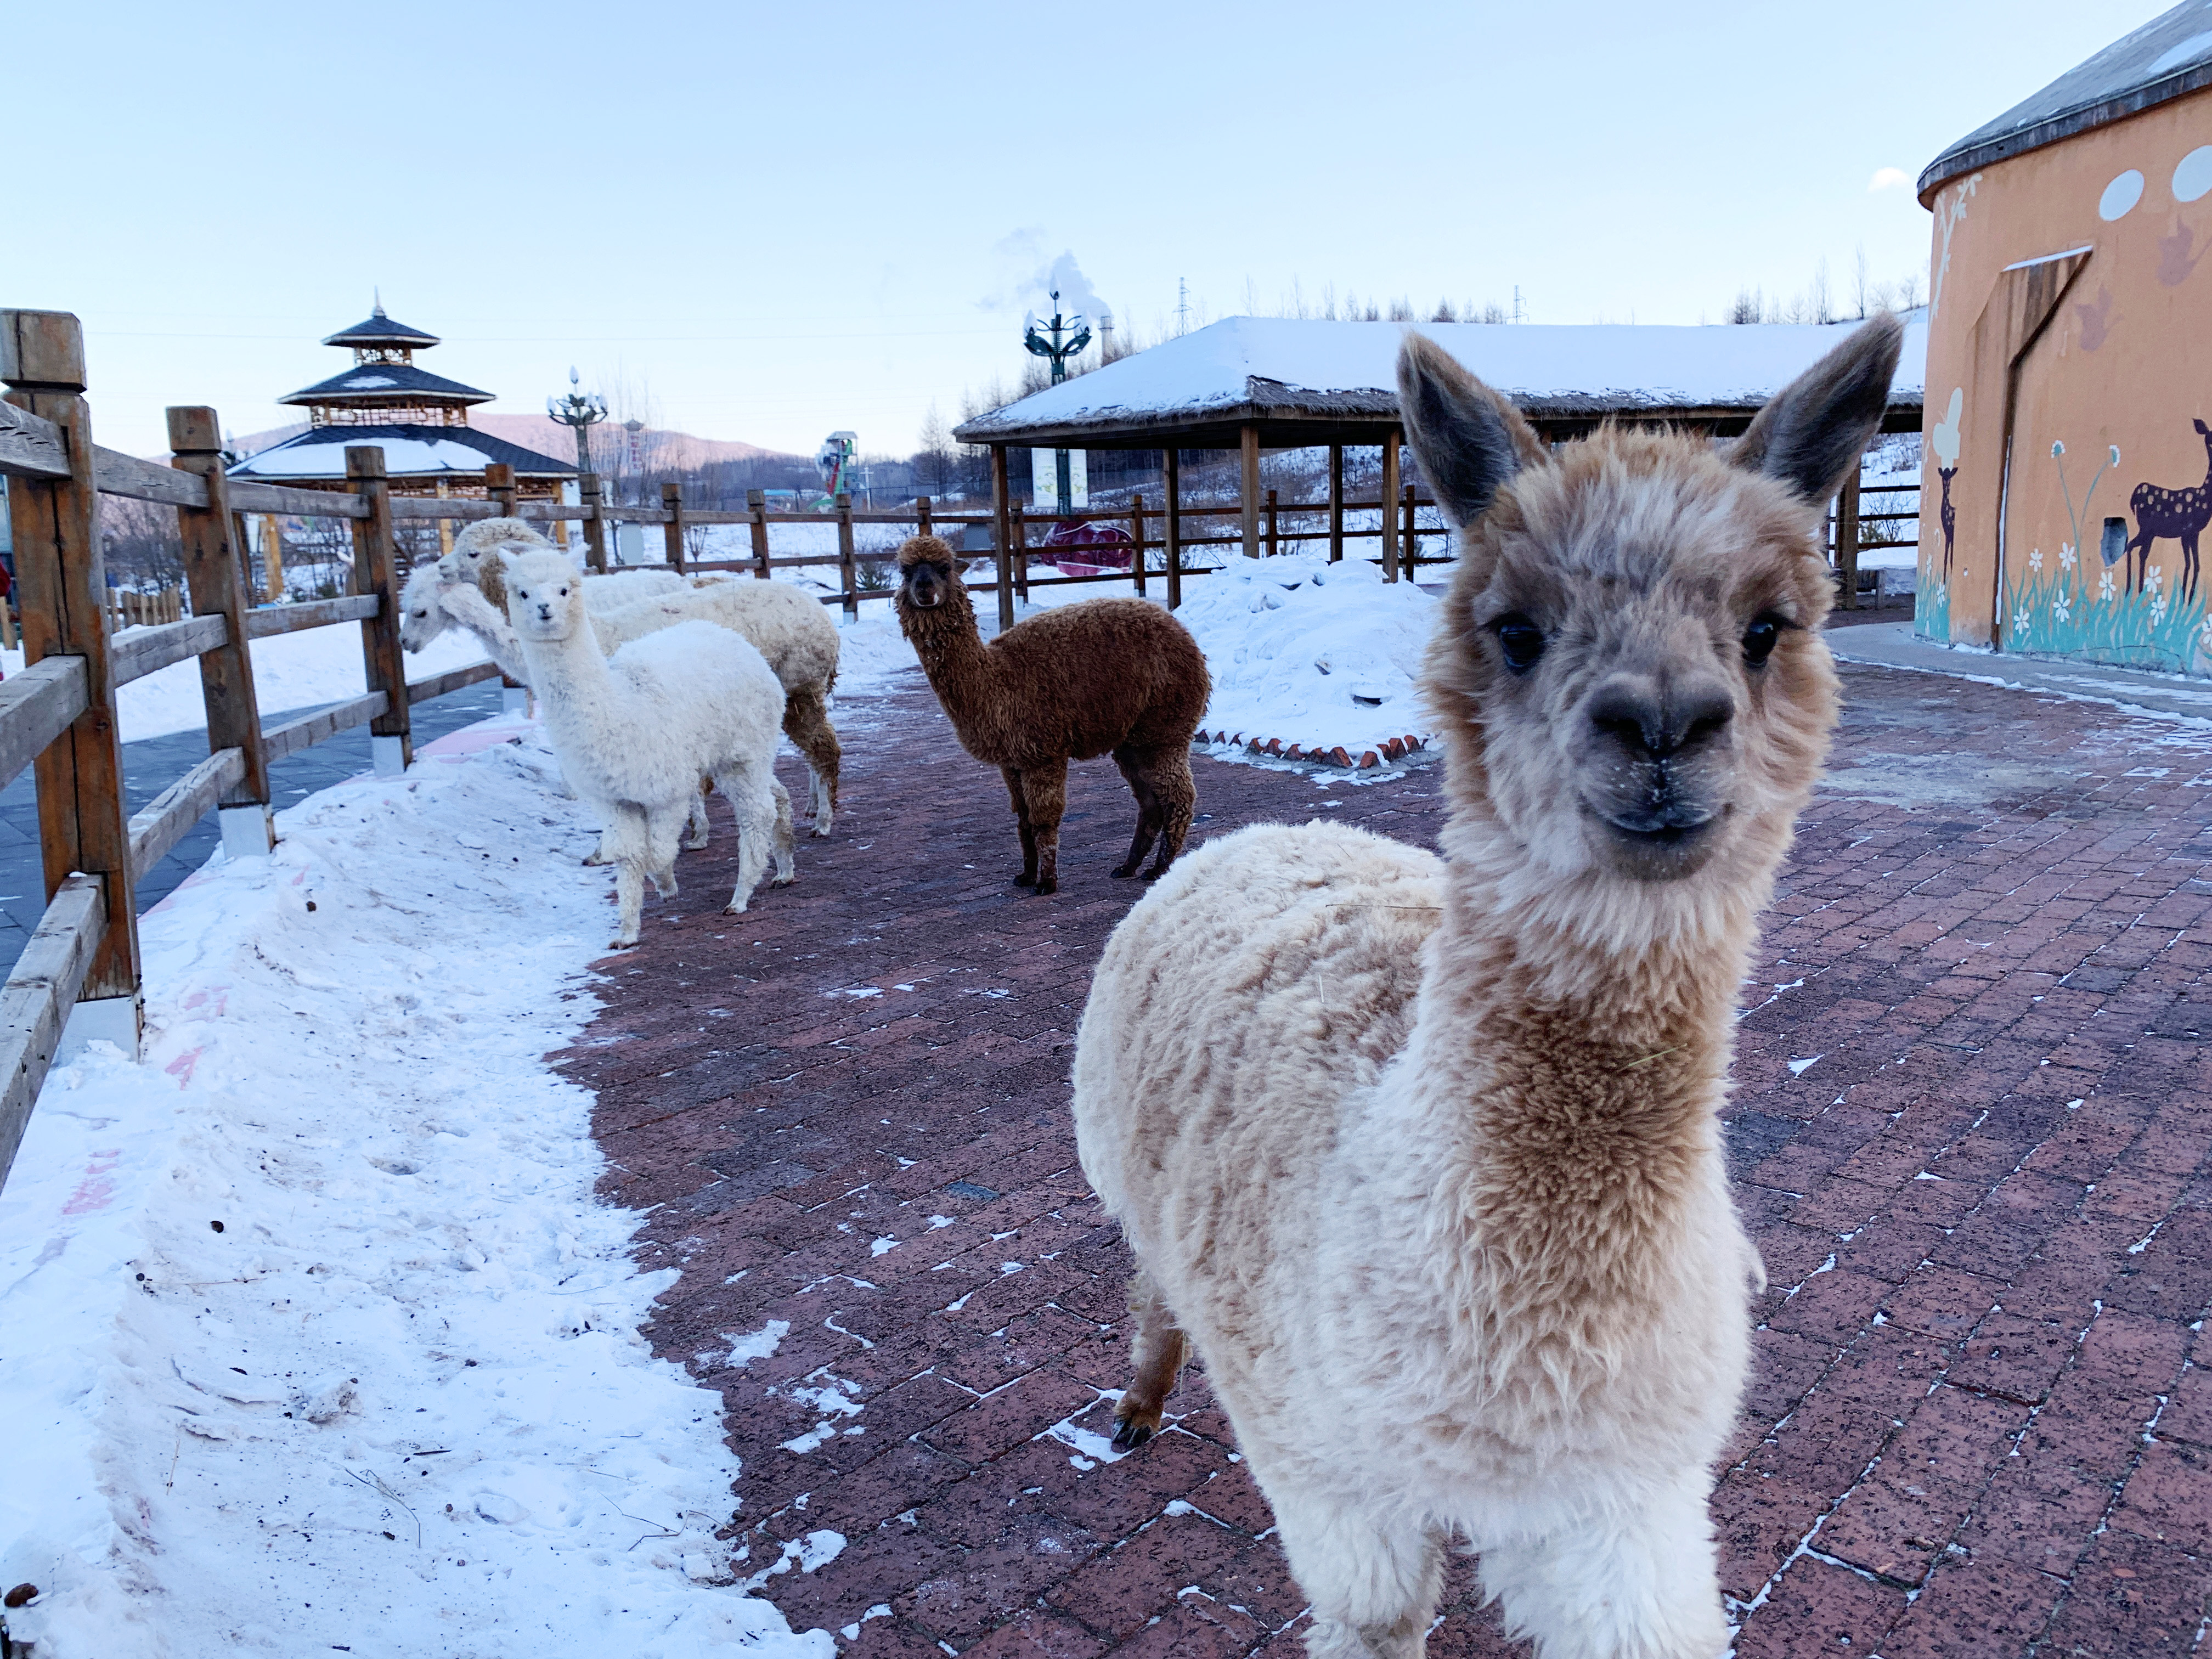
column 314, row 666
column 313, row 1335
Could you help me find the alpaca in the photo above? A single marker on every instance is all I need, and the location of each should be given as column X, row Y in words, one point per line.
column 1118, row 676
column 1422, row 1156
column 785, row 625
column 636, row 731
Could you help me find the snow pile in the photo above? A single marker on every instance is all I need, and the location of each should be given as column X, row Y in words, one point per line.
column 312, row 1336
column 290, row 670
column 1306, row 652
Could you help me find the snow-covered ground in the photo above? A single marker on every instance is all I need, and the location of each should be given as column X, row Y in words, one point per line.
column 290, row 670
column 313, row 1337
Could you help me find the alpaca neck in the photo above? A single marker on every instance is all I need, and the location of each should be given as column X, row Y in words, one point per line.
column 957, row 661
column 570, row 676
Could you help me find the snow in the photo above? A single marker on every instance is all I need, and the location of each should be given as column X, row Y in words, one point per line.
column 290, row 670
column 1638, row 365
column 312, row 1334
column 403, row 457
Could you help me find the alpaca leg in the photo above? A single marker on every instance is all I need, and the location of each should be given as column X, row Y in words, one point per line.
column 1028, row 830
column 1136, row 772
column 1635, row 1582
column 663, row 832
column 1178, row 796
column 1374, row 1585
column 1158, row 1350
column 629, row 900
column 1045, row 788
column 763, row 810
column 699, row 825
column 808, row 724
column 786, row 871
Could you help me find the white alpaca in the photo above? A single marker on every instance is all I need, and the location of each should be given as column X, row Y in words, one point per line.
column 1423, row 1155
column 786, row 626
column 480, row 551
column 636, row 733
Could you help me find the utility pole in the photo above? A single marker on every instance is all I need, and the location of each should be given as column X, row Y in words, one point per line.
column 1182, row 306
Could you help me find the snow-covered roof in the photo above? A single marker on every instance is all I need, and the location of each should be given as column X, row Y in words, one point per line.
column 2168, row 56
column 370, row 381
column 410, row 451
column 1317, row 382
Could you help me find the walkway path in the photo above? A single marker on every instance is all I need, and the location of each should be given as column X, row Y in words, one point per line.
column 1970, row 1130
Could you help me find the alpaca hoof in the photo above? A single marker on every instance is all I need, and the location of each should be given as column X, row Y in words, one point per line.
column 1025, row 879
column 783, row 881
column 623, row 944
column 1129, row 1434
column 1155, row 873
column 1047, row 884
column 734, row 907
column 822, row 832
column 1122, row 872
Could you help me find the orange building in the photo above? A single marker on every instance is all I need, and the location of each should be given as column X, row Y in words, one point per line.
column 2067, row 475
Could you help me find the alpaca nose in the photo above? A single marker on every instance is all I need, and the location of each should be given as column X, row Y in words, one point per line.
column 1658, row 722
column 545, row 613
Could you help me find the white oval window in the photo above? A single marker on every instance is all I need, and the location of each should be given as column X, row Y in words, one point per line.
column 2193, row 177
column 2123, row 193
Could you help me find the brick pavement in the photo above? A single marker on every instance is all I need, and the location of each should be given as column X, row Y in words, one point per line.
column 1970, row 1131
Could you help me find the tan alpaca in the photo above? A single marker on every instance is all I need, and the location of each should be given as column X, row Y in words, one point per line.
column 1424, row 1154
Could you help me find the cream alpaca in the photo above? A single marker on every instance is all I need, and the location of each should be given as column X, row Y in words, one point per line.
column 636, row 733
column 1424, row 1154
column 786, row 626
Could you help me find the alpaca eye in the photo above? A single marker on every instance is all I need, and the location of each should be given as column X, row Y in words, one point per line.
column 1759, row 639
column 1519, row 641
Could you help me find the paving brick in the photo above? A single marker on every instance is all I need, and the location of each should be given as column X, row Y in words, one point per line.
column 1935, row 1209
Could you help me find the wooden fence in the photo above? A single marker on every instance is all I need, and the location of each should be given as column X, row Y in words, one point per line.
column 58, row 715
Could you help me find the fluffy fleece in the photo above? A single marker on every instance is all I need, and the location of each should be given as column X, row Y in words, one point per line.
column 636, row 731
column 787, row 627
column 1118, row 676
column 479, row 555
column 1423, row 1155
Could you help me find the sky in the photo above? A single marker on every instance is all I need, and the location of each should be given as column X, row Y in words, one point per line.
column 765, row 224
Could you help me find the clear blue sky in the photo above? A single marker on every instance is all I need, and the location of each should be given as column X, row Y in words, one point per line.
column 777, row 221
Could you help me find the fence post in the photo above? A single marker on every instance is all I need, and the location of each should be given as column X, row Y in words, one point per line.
column 389, row 738
column 62, row 584
column 756, row 504
column 921, row 515
column 1336, row 503
column 849, row 573
column 499, row 487
column 1173, row 458
column 671, row 503
column 1273, row 544
column 1021, row 554
column 274, row 558
column 1389, row 503
column 1412, row 535
column 1003, row 536
column 216, row 572
column 1247, row 490
column 1847, row 542
column 591, row 499
column 1137, row 534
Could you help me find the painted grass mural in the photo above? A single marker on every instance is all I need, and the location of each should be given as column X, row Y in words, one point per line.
column 2063, row 610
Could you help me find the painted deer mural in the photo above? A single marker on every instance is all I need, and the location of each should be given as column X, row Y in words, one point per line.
column 1944, row 441
column 2182, row 514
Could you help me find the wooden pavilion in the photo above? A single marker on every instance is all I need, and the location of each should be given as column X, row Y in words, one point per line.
column 1252, row 383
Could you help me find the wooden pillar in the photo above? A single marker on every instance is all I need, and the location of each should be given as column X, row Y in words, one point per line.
column 921, row 516
column 1248, row 492
column 1274, row 545
column 671, row 503
column 1412, row 536
column 756, row 504
column 61, row 583
column 499, row 487
column 1847, row 542
column 1021, row 553
column 445, row 525
column 1173, row 459
column 848, row 572
column 374, row 567
column 1137, row 535
column 1389, row 506
column 1336, row 503
column 593, row 499
column 216, row 572
column 272, row 557
column 1002, row 537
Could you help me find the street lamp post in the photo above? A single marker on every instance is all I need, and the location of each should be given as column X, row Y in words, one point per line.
column 579, row 411
column 1068, row 335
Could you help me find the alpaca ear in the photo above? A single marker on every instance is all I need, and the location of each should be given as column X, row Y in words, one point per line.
column 1469, row 439
column 1812, row 432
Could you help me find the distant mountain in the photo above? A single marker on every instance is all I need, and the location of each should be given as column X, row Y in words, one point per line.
column 676, row 450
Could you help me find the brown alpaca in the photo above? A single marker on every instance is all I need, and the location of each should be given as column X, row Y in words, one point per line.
column 1422, row 1156
column 1116, row 677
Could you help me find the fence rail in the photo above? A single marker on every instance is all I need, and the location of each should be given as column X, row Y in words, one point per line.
column 59, row 714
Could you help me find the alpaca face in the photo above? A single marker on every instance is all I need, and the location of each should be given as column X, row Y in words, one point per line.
column 1630, row 667
column 422, row 618
column 1643, row 656
column 487, row 544
column 544, row 596
column 929, row 574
